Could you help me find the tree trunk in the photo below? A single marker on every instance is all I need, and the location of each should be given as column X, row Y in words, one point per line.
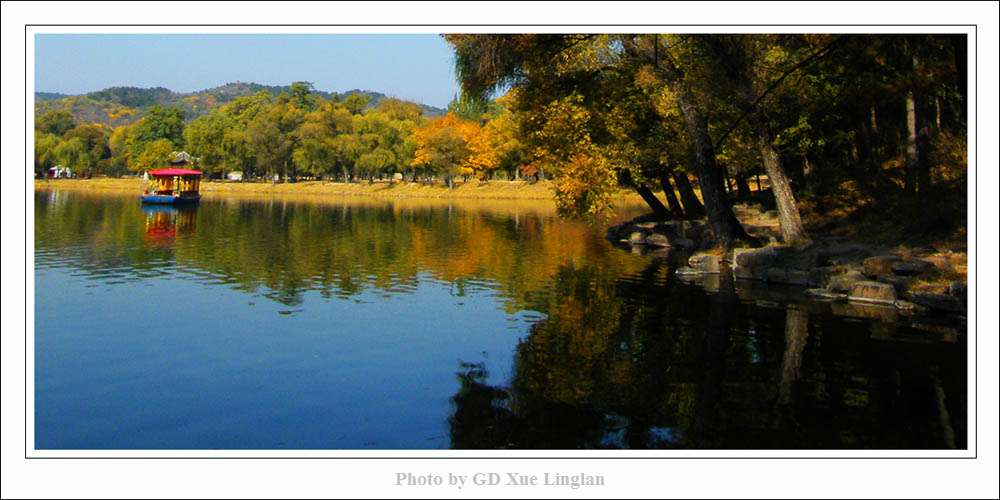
column 673, row 204
column 693, row 208
column 742, row 187
column 960, row 46
column 788, row 211
column 725, row 225
column 654, row 203
column 917, row 165
column 918, row 137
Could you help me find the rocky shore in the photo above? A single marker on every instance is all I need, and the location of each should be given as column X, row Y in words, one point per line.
column 848, row 275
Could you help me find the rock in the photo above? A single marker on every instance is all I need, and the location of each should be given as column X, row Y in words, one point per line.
column 879, row 265
column 637, row 238
column 825, row 295
column 911, row 267
column 706, row 263
column 787, row 276
column 873, row 292
column 939, row 302
column 843, row 282
column 898, row 282
column 753, row 263
column 657, row 239
column 904, row 305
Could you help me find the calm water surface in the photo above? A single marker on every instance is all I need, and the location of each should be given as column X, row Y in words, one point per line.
column 375, row 324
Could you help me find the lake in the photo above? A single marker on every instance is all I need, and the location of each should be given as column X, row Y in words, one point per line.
column 374, row 324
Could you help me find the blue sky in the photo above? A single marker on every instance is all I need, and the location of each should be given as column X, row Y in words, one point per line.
column 414, row 67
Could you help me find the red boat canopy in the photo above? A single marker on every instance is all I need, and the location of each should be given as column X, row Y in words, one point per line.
column 173, row 171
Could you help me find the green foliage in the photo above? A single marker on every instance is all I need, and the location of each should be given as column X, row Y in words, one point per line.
column 56, row 122
column 45, row 149
column 73, row 154
column 155, row 154
column 204, row 138
column 160, row 123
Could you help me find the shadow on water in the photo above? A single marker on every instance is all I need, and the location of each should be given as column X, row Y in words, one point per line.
column 686, row 368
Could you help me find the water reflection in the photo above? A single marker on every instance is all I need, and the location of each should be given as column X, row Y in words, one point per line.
column 338, row 325
column 683, row 369
column 165, row 223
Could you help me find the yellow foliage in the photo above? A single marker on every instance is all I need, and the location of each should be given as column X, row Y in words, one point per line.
column 446, row 143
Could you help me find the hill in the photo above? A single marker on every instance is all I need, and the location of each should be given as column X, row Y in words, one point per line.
column 122, row 105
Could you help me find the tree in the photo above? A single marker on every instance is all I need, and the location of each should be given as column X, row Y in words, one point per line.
column 95, row 142
column 119, row 148
column 267, row 145
column 355, row 102
column 160, row 123
column 549, row 67
column 749, row 65
column 45, row 151
column 300, row 94
column 56, row 122
column 204, row 138
column 156, row 154
column 73, row 154
column 442, row 145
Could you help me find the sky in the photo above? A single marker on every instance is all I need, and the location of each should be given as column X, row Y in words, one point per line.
column 416, row 67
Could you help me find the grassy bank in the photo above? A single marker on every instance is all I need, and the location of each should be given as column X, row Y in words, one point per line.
column 493, row 190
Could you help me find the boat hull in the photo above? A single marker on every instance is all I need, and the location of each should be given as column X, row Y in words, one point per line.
column 165, row 199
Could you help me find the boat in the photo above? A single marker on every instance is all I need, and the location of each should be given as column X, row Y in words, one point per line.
column 172, row 186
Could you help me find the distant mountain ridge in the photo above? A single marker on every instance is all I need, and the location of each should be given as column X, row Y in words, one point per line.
column 121, row 105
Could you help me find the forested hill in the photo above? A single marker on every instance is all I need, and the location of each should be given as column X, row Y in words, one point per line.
column 122, row 105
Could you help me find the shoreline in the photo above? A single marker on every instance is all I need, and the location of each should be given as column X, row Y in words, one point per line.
column 472, row 190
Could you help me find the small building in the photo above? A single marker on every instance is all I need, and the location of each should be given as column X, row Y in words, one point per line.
column 182, row 159
column 59, row 172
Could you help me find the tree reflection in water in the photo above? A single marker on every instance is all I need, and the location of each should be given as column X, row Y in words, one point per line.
column 650, row 362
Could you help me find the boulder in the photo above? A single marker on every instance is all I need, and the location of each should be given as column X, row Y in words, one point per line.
column 911, row 267
column 657, row 239
column 873, row 292
column 843, row 282
column 753, row 263
column 898, row 282
column 879, row 265
column 706, row 263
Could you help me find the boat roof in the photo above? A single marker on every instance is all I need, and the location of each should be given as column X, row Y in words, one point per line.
column 174, row 171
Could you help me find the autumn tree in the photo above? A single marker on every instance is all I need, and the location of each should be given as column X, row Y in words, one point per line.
column 443, row 145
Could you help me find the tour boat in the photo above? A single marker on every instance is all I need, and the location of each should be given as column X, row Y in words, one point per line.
column 172, row 186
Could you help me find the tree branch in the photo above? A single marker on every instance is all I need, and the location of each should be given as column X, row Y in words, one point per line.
column 826, row 50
